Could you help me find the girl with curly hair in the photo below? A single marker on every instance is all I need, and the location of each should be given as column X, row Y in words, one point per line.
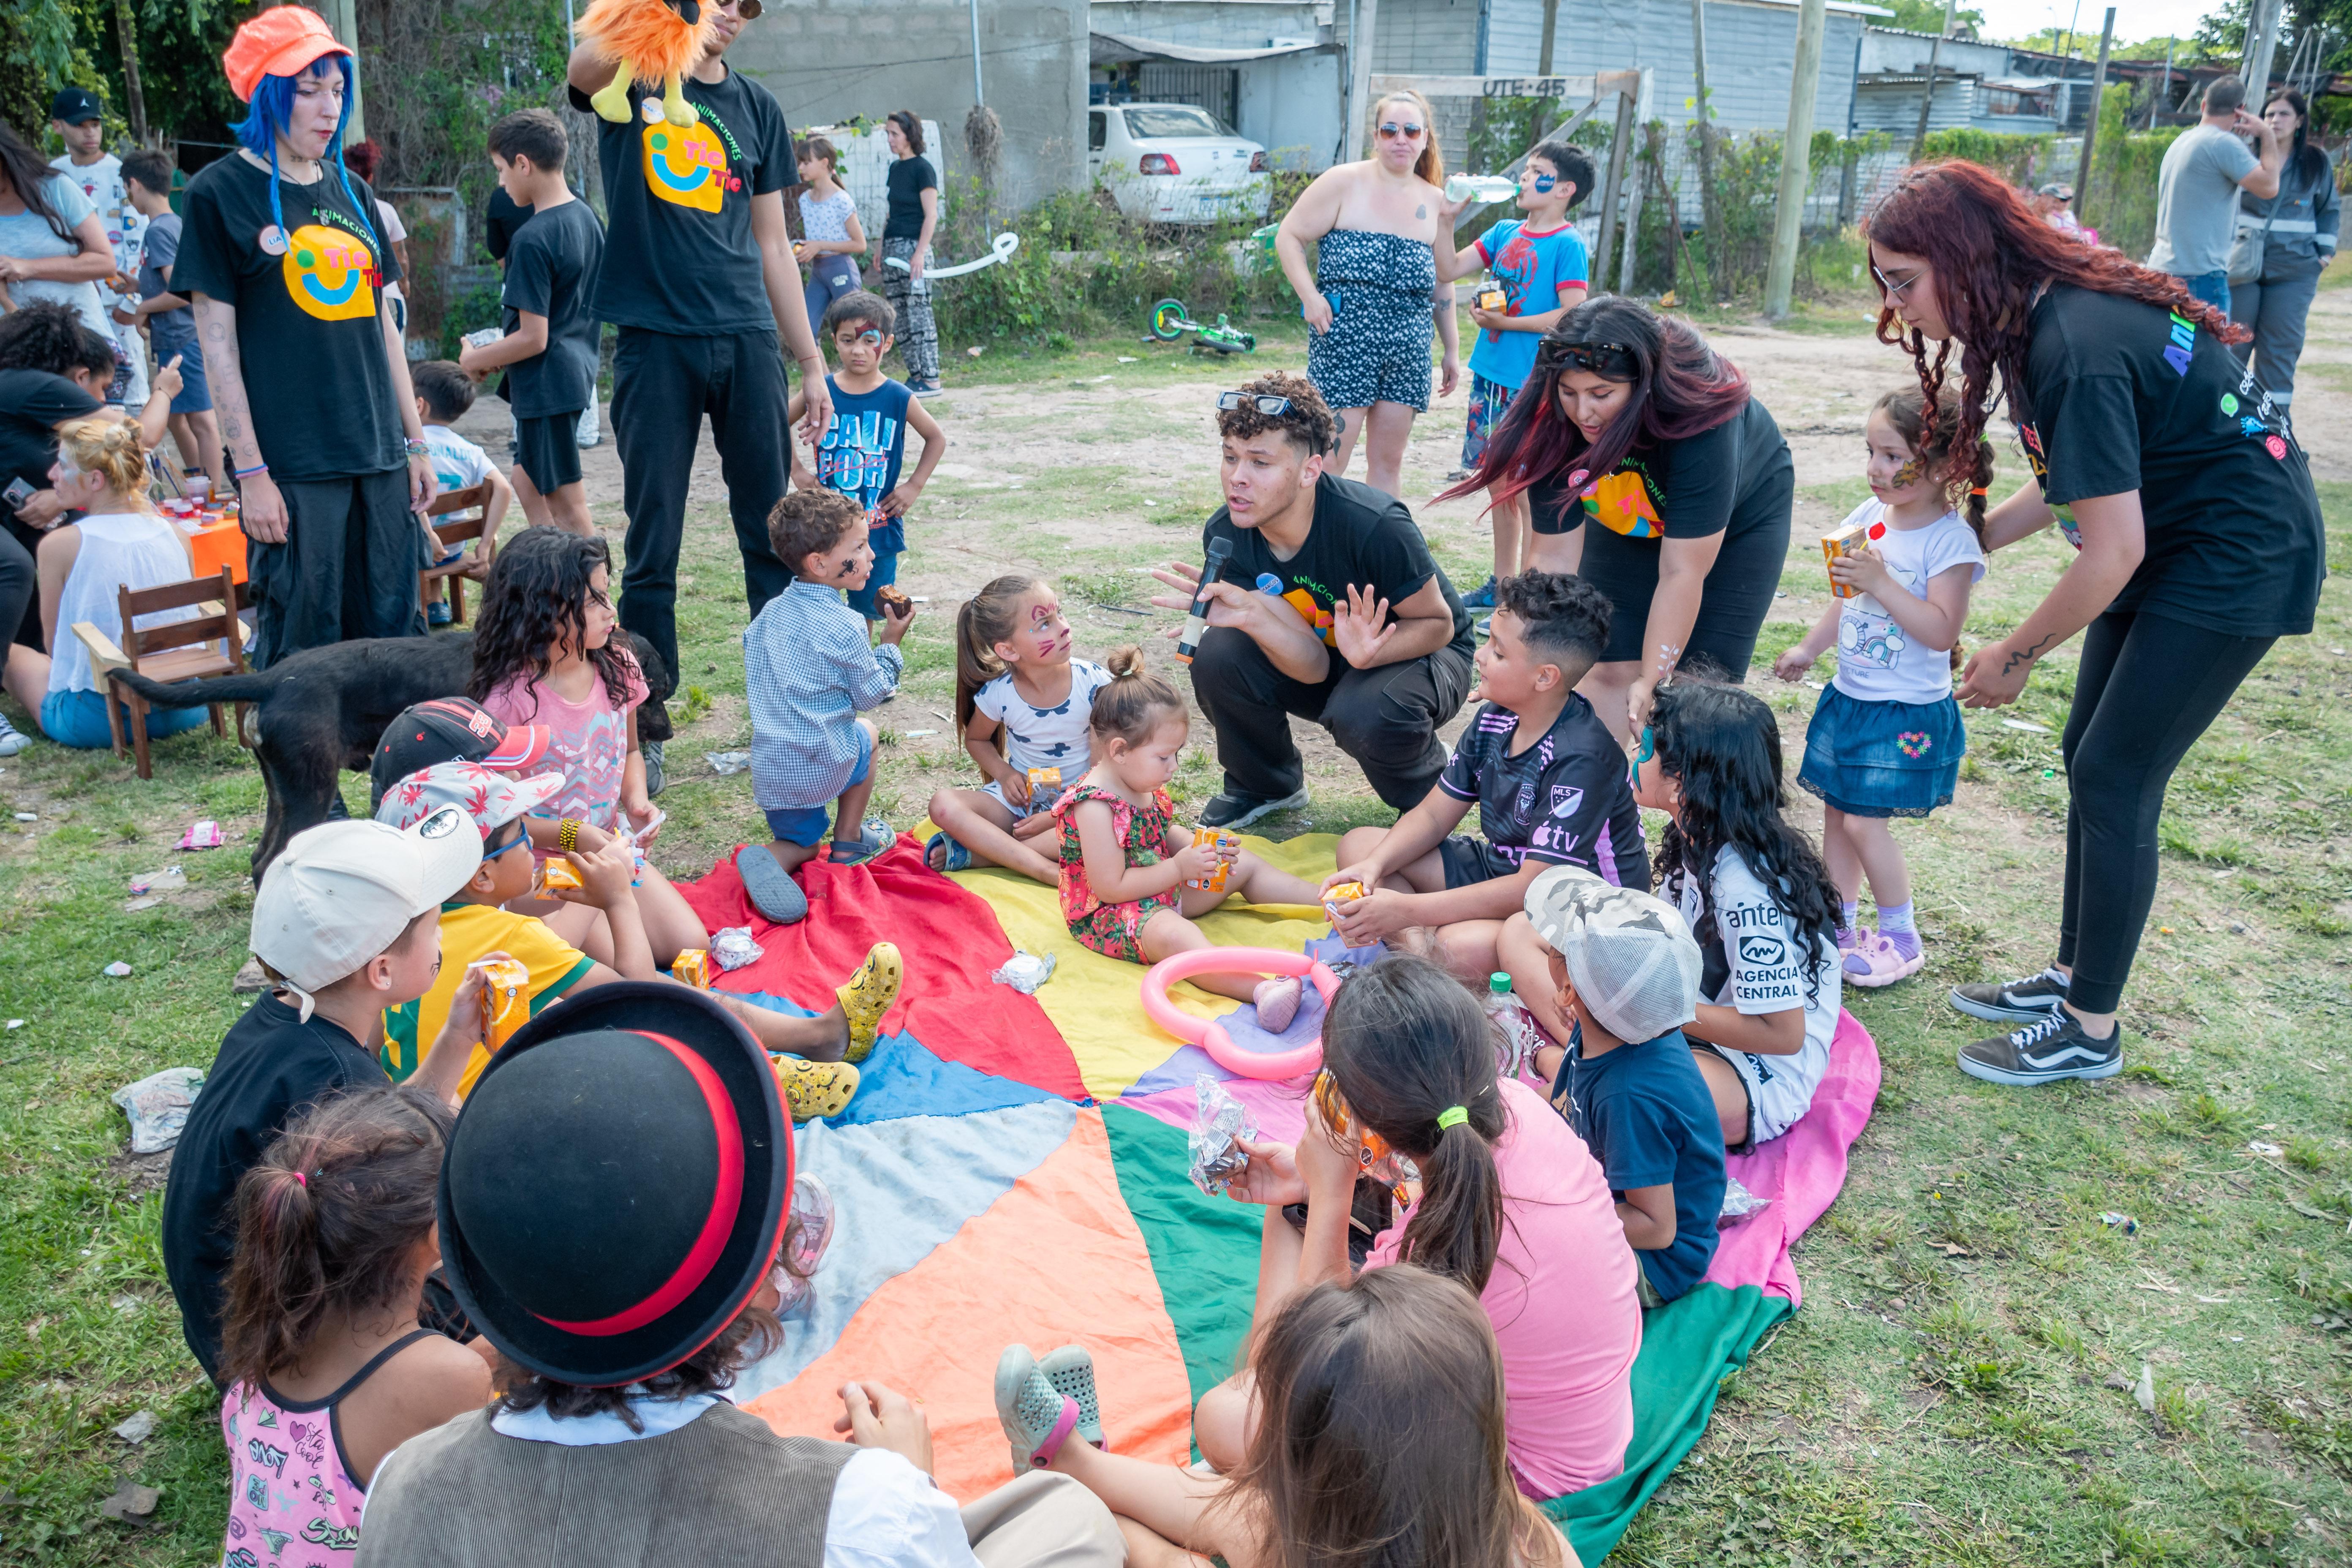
column 2197, row 540
column 544, row 653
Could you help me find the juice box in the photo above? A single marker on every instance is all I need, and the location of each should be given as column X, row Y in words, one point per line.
column 1491, row 297
column 554, row 872
column 1227, row 844
column 1340, row 893
column 1849, row 541
column 693, row 968
column 507, row 1007
column 1044, row 783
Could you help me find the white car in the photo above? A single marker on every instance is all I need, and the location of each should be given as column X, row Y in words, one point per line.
column 1175, row 162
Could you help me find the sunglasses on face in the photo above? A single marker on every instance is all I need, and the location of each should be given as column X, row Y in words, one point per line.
column 492, row 851
column 1614, row 361
column 1390, row 131
column 1271, row 408
column 747, row 9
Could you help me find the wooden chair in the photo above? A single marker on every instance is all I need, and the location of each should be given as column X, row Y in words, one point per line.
column 178, row 650
column 475, row 498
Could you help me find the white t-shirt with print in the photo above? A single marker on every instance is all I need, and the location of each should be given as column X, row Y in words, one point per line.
column 457, row 463
column 1045, row 737
column 1878, row 661
column 1756, row 965
column 126, row 225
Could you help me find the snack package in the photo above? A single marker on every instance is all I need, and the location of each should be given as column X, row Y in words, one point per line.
column 482, row 337
column 1228, row 845
column 692, row 968
column 1738, row 1203
column 1024, row 971
column 733, row 948
column 507, row 1007
column 1220, row 1123
column 1850, row 541
column 158, row 1107
column 1340, row 893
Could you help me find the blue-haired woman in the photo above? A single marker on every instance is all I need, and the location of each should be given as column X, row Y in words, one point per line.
column 281, row 256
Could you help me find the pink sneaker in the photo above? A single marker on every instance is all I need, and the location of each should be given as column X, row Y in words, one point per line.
column 1875, row 963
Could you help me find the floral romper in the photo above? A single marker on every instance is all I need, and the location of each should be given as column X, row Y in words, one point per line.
column 1115, row 931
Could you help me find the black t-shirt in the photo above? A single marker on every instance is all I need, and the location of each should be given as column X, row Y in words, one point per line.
column 310, row 336
column 1726, row 481
column 551, row 271
column 505, row 218
column 685, row 261
column 270, row 1065
column 1360, row 538
column 2127, row 397
column 33, row 404
column 908, row 178
column 1565, row 801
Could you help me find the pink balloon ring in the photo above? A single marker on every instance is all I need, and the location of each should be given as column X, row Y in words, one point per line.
column 1209, row 1033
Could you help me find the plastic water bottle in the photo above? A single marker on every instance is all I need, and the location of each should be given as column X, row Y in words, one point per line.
column 1515, row 1027
column 1486, row 188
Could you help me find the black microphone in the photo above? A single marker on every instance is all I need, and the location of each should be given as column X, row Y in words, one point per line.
column 1198, row 623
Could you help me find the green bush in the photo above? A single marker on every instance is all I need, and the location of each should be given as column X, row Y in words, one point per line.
column 2015, row 158
column 2121, row 201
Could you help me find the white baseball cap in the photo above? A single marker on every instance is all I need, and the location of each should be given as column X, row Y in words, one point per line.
column 1633, row 960
column 343, row 891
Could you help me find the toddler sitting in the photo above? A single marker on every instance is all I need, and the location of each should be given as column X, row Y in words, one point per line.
column 1132, row 880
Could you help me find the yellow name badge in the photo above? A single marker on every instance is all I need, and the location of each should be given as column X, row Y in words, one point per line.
column 331, row 274
column 686, row 164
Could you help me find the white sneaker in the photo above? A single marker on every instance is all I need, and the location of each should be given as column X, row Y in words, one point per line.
column 12, row 740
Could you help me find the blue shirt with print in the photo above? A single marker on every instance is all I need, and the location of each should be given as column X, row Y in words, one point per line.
column 1531, row 269
column 860, row 454
column 1645, row 1113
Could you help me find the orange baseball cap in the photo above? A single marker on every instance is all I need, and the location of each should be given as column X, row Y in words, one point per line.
column 280, row 41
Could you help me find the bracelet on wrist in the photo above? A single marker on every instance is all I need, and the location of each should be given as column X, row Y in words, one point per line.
column 567, row 835
column 248, row 473
column 414, row 444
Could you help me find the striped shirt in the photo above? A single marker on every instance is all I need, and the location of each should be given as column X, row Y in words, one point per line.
column 808, row 671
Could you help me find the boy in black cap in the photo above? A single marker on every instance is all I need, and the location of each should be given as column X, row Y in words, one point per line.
column 624, row 1307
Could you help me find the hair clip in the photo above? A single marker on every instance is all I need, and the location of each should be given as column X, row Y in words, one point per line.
column 1977, row 490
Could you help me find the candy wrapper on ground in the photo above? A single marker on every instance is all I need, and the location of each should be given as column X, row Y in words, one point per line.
column 158, row 1106
column 733, row 948
column 1024, row 971
column 205, row 834
column 1739, row 1203
column 1220, row 1124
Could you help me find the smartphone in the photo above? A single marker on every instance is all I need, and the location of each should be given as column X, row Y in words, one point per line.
column 19, row 492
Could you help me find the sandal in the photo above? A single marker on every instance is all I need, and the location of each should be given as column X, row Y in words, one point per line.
column 1037, row 1417
column 874, row 836
column 868, row 995
column 955, row 857
column 814, row 1089
column 1875, row 963
column 770, row 887
column 1071, row 1370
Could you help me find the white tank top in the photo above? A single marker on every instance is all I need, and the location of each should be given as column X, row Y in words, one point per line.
column 119, row 549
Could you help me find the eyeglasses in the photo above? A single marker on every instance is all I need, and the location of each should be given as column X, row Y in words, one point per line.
column 1895, row 291
column 747, row 9
column 1390, row 131
column 492, row 852
column 1271, row 406
column 1614, row 361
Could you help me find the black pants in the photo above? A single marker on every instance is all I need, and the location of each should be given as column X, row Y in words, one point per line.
column 2147, row 687
column 20, row 596
column 1386, row 717
column 662, row 387
column 348, row 568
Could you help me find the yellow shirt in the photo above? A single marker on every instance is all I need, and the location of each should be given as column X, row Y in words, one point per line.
column 468, row 932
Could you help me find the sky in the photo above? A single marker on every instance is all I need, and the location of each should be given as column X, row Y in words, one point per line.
column 2135, row 19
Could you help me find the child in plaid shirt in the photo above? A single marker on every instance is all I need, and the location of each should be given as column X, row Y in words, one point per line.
column 809, row 671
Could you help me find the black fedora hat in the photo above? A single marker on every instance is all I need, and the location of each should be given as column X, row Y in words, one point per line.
column 616, row 1187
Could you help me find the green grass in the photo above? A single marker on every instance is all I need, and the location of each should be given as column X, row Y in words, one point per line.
column 1958, row 1387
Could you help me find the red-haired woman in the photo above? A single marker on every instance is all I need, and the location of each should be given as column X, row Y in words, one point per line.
column 2197, row 537
column 1631, row 420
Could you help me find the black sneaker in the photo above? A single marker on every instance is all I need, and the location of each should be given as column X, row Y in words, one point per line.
column 1234, row 809
column 2044, row 1052
column 2011, row 1001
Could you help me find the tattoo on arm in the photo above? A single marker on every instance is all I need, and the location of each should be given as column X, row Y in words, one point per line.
column 1669, row 654
column 2027, row 655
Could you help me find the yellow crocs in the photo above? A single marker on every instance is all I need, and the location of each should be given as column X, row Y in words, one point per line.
column 813, row 1090
column 868, row 995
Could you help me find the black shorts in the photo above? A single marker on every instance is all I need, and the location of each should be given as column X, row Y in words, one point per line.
column 548, row 448
column 1470, row 860
column 1731, row 608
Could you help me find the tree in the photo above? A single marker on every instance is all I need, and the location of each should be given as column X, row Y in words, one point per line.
column 1927, row 16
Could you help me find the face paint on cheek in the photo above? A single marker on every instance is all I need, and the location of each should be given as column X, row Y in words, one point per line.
column 1909, row 474
column 1544, row 183
column 1648, row 749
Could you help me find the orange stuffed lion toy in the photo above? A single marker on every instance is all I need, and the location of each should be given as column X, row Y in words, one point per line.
column 653, row 41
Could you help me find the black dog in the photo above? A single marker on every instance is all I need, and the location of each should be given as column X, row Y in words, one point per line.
column 324, row 708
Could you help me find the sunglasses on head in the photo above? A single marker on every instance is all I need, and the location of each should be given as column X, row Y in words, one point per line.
column 1266, row 404
column 1614, row 361
column 1391, row 129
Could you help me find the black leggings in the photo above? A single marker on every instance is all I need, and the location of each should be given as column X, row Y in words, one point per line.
column 2149, row 686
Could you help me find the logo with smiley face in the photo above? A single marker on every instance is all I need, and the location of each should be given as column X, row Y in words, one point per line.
column 687, row 165
column 329, row 274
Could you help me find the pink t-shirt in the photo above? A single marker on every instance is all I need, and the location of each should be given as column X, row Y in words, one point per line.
column 1563, row 1303
column 590, row 742
column 291, row 1499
